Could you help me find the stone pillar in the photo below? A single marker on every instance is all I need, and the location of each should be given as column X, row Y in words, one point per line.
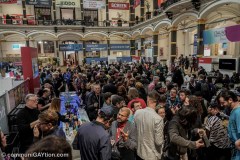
column 155, row 7
column 24, row 12
column 54, row 10
column 108, row 46
column 200, row 29
column 107, row 14
column 84, row 49
column 173, row 44
column 82, row 10
column 132, row 47
column 57, row 48
column 142, row 47
column 132, row 13
column 142, row 11
column 155, row 46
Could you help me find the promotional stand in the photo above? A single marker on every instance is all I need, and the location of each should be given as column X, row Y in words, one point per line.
column 29, row 58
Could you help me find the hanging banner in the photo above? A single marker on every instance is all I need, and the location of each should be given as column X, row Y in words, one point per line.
column 195, row 44
column 159, row 3
column 8, row 1
column 214, row 36
column 70, row 47
column 39, row 2
column 68, row 3
column 136, row 3
column 233, row 33
column 96, row 47
column 94, row 4
column 119, row 6
column 119, row 47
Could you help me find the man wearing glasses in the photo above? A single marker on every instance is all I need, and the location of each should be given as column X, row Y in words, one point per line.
column 26, row 120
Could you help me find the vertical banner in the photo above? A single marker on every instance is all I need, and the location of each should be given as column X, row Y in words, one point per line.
column 136, row 3
column 159, row 3
column 30, row 67
column 195, row 44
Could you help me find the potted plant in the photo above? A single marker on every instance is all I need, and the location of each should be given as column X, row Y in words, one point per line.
column 148, row 13
column 8, row 19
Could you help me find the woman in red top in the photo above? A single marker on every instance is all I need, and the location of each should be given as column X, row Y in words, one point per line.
column 133, row 95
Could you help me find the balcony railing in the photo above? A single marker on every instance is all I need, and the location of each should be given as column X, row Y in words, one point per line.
column 65, row 22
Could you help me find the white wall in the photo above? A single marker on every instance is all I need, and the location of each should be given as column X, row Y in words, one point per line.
column 11, row 9
column 114, row 14
column 7, row 49
column 137, row 12
column 180, row 43
column 163, row 42
column 67, row 13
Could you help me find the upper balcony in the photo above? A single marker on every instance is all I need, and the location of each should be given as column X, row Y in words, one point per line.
column 174, row 7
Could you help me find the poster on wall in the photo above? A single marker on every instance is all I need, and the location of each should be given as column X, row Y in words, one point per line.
column 119, row 6
column 3, row 115
column 8, row 1
column 68, row 3
column 94, row 4
column 35, row 67
column 39, row 2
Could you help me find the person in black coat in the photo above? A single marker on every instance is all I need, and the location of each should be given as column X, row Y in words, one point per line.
column 26, row 120
column 177, row 77
column 110, row 87
column 94, row 102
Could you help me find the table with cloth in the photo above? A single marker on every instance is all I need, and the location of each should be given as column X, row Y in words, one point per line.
column 71, row 108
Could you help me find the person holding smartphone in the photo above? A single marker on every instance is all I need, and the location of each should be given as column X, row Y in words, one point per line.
column 123, row 136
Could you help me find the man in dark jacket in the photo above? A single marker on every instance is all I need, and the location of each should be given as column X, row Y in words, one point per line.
column 110, row 87
column 178, row 129
column 123, row 136
column 94, row 102
column 26, row 120
column 92, row 138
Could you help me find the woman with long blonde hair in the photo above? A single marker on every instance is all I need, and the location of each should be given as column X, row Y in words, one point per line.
column 56, row 107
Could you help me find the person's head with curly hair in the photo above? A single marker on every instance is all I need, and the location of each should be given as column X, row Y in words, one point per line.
column 194, row 102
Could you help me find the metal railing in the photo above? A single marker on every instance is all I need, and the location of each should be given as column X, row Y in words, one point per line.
column 109, row 23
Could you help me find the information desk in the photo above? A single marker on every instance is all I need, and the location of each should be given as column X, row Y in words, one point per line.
column 71, row 108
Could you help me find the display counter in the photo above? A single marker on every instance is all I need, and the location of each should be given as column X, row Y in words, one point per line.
column 72, row 109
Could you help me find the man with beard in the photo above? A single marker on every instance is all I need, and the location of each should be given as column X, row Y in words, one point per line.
column 229, row 99
column 123, row 136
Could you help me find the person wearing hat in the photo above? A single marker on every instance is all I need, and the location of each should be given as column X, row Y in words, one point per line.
column 93, row 139
column 216, row 129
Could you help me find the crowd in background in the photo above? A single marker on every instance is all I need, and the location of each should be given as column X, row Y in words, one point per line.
column 137, row 111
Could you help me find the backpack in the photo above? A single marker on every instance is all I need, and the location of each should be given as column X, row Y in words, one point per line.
column 205, row 87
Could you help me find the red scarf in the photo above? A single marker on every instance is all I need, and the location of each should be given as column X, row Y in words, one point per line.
column 119, row 128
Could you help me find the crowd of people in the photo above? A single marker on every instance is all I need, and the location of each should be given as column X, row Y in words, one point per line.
column 136, row 111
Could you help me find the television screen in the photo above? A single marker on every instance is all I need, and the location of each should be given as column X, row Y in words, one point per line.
column 227, row 64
